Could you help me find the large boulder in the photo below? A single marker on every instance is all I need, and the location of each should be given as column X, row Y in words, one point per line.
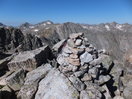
column 31, row 81
column 56, row 86
column 30, row 60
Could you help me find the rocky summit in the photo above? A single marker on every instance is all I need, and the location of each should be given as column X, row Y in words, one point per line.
column 33, row 67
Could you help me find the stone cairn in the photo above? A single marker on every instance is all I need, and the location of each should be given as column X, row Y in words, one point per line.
column 86, row 68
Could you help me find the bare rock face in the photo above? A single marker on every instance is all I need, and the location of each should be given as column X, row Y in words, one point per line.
column 30, row 60
column 10, row 38
column 16, row 80
column 13, row 40
column 32, row 79
column 30, row 42
column 60, row 87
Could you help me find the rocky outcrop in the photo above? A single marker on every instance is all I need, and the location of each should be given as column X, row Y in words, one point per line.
column 30, row 60
column 12, row 40
column 32, row 79
column 30, row 42
column 56, row 87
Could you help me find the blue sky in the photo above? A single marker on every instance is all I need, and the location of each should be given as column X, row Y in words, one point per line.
column 15, row 12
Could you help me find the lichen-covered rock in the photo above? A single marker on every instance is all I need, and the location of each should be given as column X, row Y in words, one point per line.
column 31, row 81
column 78, row 84
column 30, row 60
column 56, row 86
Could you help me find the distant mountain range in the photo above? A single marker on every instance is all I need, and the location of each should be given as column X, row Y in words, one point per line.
column 115, row 38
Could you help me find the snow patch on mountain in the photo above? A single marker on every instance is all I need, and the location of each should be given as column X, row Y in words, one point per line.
column 107, row 27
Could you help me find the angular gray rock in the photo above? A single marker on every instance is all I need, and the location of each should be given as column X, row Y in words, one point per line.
column 78, row 84
column 78, row 42
column 93, row 72
column 67, row 50
column 86, row 58
column 61, row 60
column 104, row 59
column 32, row 79
column 128, row 92
column 59, row 45
column 79, row 73
column 3, row 78
column 86, row 77
column 93, row 91
column 84, row 95
column 30, row 60
column 16, row 80
column 103, row 79
column 70, row 43
column 56, row 86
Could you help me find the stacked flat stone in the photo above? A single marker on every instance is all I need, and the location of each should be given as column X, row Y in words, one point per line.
column 87, row 68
